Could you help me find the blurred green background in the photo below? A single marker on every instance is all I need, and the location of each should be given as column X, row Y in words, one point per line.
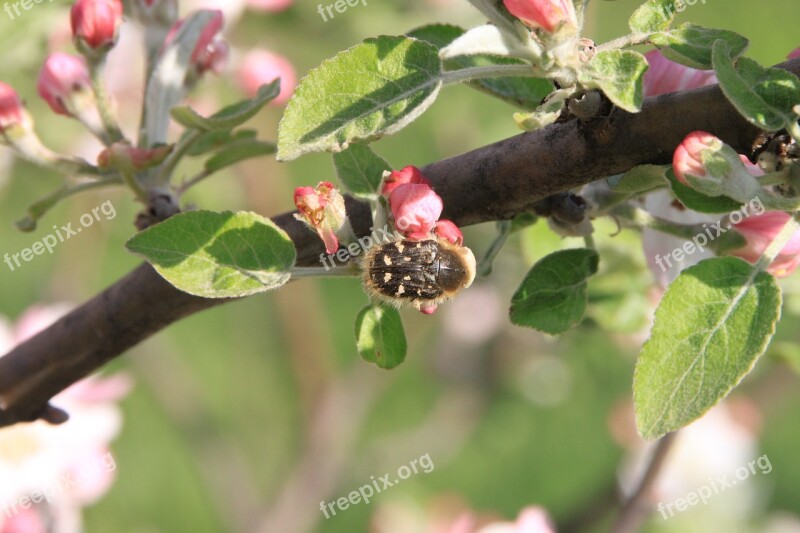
column 247, row 415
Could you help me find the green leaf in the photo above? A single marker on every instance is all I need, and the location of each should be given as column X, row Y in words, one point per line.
column 360, row 170
column 697, row 201
column 523, row 92
column 764, row 96
column 484, row 40
column 545, row 114
column 691, row 45
column 373, row 89
column 618, row 73
column 214, row 140
column 228, row 117
column 217, row 255
column 652, row 16
column 238, row 151
column 713, row 323
column 640, row 179
column 552, row 297
column 380, row 338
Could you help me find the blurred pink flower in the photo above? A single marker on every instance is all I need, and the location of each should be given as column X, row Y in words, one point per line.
column 665, row 76
column 64, row 467
column 61, row 77
column 546, row 14
column 530, row 520
column 415, row 208
column 269, row 5
column 260, row 67
column 95, row 22
column 408, row 174
column 794, row 54
column 11, row 110
column 759, row 231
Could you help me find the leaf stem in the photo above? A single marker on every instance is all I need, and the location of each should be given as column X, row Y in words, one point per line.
column 183, row 146
column 486, row 264
column 489, row 71
column 624, row 42
column 103, row 102
column 336, row 272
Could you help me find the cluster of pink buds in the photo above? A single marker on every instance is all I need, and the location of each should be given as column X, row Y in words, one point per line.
column 549, row 15
column 416, row 208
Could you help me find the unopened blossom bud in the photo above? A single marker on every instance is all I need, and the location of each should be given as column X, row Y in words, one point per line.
column 665, row 76
column 64, row 83
column 12, row 113
column 759, row 230
column 415, row 208
column 322, row 209
column 211, row 51
column 409, row 174
column 125, row 157
column 261, row 67
column 550, row 15
column 95, row 23
column 448, row 231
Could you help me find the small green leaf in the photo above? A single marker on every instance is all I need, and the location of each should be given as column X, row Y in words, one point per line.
column 640, row 179
column 764, row 96
column 229, row 117
column 217, row 255
column 214, row 140
column 238, row 151
column 360, row 170
column 552, row 297
column 713, row 323
column 653, row 16
column 523, row 92
column 691, row 45
column 545, row 114
column 618, row 73
column 484, row 40
column 373, row 89
column 380, row 337
column 697, row 201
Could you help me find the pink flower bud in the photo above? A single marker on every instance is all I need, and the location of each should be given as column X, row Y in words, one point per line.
column 794, row 54
column 269, row 5
column 759, row 231
column 688, row 156
column 61, row 78
column 262, row 67
column 409, row 174
column 546, row 14
column 11, row 111
column 415, row 208
column 95, row 23
column 322, row 209
column 449, row 232
column 665, row 76
column 211, row 51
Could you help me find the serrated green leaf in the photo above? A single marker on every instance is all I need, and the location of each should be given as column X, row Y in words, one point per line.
column 238, row 151
column 373, row 89
column 380, row 338
column 360, row 170
column 228, row 117
column 523, row 92
column 640, row 179
column 697, row 201
column 713, row 323
column 217, row 255
column 691, row 45
column 764, row 96
column 618, row 73
column 652, row 16
column 552, row 297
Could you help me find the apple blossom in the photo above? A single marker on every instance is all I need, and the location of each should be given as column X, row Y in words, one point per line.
column 665, row 76
column 64, row 82
column 759, row 230
column 415, row 208
column 549, row 15
column 95, row 23
column 322, row 209
column 409, row 174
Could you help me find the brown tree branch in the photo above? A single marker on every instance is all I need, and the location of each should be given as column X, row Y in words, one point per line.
column 495, row 182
